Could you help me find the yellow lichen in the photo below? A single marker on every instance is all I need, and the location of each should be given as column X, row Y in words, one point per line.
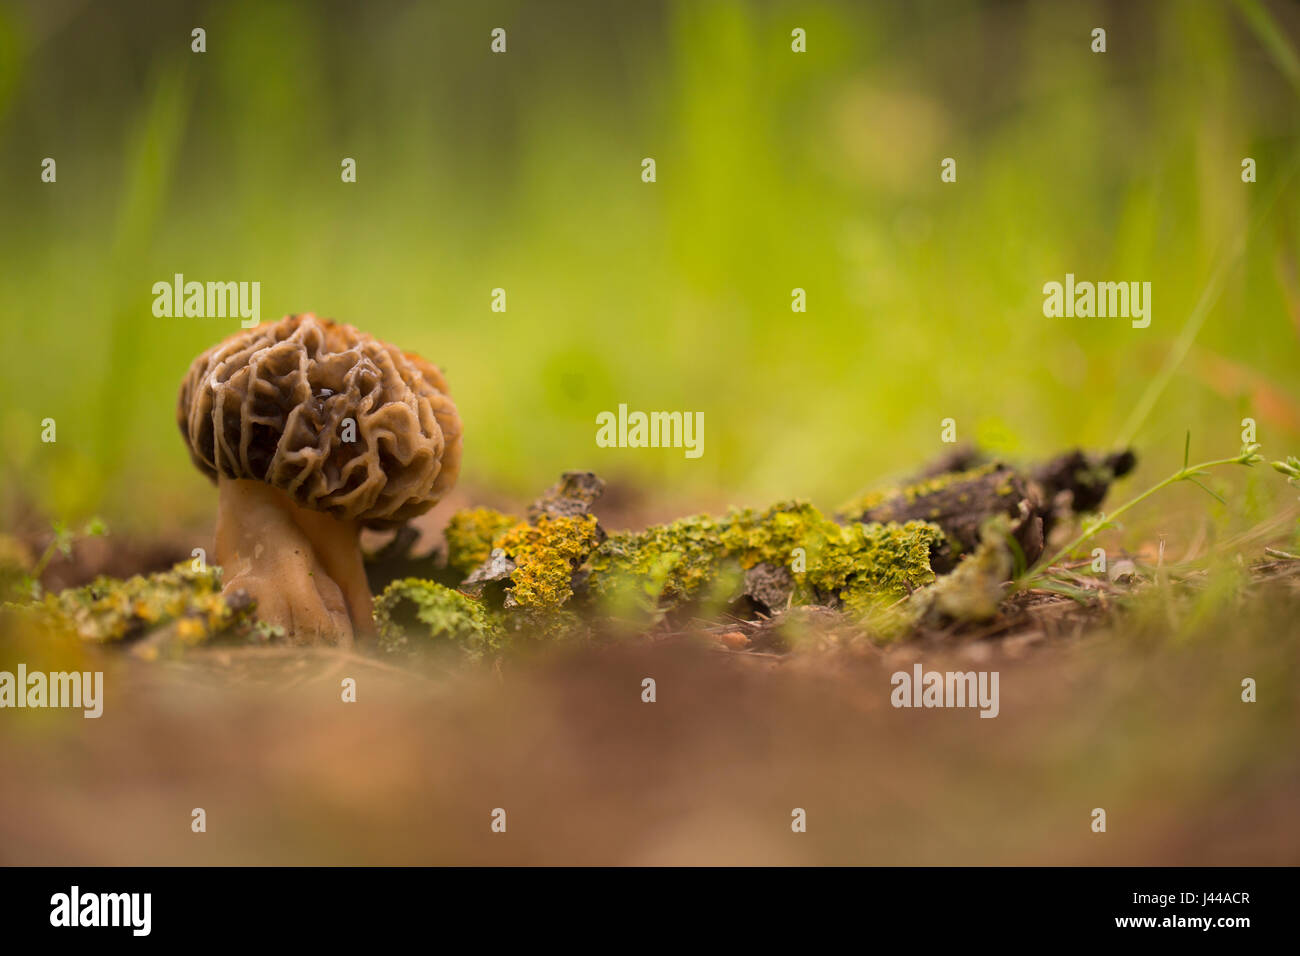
column 108, row 609
column 546, row 555
column 471, row 534
column 910, row 493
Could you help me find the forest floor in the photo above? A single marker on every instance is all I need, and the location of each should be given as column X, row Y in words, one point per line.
column 1133, row 706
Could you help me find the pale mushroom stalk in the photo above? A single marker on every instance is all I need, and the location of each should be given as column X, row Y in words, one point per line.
column 313, row 430
column 303, row 568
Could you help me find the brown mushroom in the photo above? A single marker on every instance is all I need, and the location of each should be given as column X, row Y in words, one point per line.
column 312, row 430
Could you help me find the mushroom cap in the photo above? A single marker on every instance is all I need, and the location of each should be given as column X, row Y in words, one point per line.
column 271, row 403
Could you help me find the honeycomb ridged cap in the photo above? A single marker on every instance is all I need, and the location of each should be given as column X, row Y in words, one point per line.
column 272, row 403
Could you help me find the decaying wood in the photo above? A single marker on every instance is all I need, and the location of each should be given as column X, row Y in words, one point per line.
column 1034, row 500
column 961, row 507
column 572, row 496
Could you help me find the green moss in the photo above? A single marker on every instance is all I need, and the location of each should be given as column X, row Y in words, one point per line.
column 894, row 558
column 525, row 628
column 668, row 565
column 888, row 558
column 423, row 617
column 882, row 562
column 471, row 535
column 974, row 591
column 546, row 555
column 108, row 609
column 662, row 566
column 771, row 536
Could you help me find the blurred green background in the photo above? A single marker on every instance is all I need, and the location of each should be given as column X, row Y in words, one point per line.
column 775, row 170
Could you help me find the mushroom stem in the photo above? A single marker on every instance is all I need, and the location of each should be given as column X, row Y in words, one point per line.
column 302, row 567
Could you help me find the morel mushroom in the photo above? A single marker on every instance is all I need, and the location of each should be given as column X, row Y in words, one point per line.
column 312, row 430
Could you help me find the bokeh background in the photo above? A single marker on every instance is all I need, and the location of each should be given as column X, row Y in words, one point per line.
column 775, row 170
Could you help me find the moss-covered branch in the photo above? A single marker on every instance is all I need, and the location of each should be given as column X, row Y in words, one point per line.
column 882, row 565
